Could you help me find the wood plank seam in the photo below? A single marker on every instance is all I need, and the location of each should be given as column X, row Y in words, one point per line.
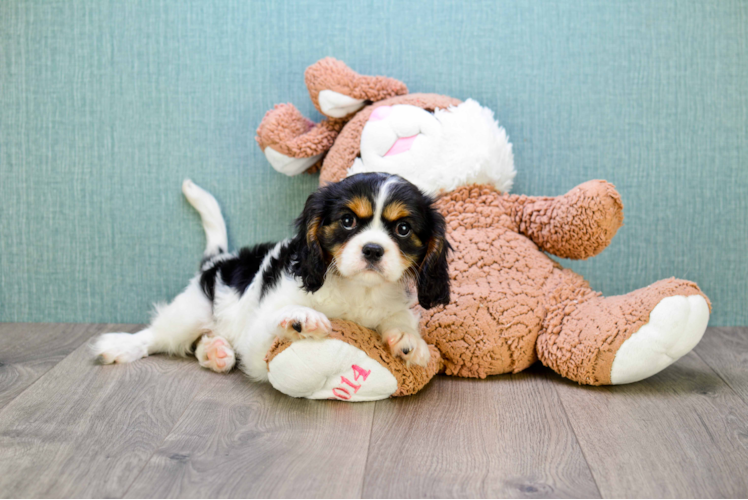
column 503, row 437
column 368, row 449
column 574, row 431
column 42, row 374
column 724, row 460
column 166, row 435
column 34, row 382
column 105, row 418
column 718, row 374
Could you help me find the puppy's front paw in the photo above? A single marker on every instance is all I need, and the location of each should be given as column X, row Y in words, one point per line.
column 297, row 322
column 408, row 346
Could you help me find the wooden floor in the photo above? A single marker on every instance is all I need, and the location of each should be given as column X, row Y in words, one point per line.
column 164, row 427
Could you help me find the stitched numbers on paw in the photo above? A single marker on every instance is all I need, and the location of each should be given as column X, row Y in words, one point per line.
column 343, row 391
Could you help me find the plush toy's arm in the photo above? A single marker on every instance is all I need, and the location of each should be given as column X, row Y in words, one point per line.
column 293, row 143
column 577, row 225
column 337, row 91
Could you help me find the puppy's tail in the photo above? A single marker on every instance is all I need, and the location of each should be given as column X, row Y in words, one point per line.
column 210, row 213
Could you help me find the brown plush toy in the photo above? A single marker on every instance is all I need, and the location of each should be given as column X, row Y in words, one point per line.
column 511, row 304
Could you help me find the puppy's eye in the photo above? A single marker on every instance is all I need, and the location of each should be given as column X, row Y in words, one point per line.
column 348, row 221
column 403, row 229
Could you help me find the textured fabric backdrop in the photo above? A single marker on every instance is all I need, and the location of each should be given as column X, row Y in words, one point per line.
column 105, row 106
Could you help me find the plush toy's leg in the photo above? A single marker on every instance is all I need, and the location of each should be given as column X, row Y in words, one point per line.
column 619, row 340
column 293, row 143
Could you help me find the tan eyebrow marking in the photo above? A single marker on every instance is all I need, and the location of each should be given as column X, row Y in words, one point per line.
column 395, row 210
column 361, row 207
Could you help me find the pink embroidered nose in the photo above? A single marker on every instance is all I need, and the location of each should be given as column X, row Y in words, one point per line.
column 401, row 145
column 380, row 113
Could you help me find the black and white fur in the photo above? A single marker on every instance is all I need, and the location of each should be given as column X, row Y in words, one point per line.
column 239, row 303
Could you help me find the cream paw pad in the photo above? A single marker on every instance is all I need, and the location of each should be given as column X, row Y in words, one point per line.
column 350, row 365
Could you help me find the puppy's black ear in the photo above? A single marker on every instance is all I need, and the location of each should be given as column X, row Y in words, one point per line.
column 433, row 273
column 311, row 265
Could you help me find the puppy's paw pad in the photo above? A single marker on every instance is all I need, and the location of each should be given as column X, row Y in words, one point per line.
column 408, row 346
column 215, row 353
column 119, row 348
column 303, row 322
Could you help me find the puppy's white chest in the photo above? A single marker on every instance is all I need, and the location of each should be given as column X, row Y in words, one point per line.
column 367, row 306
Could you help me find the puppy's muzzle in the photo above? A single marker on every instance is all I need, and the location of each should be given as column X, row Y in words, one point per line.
column 372, row 252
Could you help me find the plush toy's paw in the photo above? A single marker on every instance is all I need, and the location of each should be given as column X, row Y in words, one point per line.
column 330, row 369
column 120, row 347
column 215, row 353
column 351, row 365
column 297, row 322
column 408, row 346
column 675, row 326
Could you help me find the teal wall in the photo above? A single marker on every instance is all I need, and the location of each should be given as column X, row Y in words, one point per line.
column 105, row 106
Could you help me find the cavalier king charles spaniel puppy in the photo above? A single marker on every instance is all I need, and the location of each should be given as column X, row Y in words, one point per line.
column 365, row 248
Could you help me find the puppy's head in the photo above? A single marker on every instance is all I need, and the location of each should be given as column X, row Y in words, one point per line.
column 374, row 229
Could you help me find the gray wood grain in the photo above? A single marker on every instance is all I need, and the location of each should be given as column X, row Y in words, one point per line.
column 87, row 430
column 506, row 436
column 163, row 427
column 29, row 350
column 725, row 350
column 244, row 439
column 681, row 433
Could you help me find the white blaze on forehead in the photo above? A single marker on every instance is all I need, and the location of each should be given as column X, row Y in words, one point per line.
column 379, row 203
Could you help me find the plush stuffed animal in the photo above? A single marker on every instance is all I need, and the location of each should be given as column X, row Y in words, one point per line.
column 511, row 303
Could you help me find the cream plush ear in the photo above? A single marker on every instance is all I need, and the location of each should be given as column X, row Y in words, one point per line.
column 337, row 91
column 350, row 365
column 291, row 142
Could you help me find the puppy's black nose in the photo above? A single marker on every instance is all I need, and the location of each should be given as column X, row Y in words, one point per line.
column 372, row 252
